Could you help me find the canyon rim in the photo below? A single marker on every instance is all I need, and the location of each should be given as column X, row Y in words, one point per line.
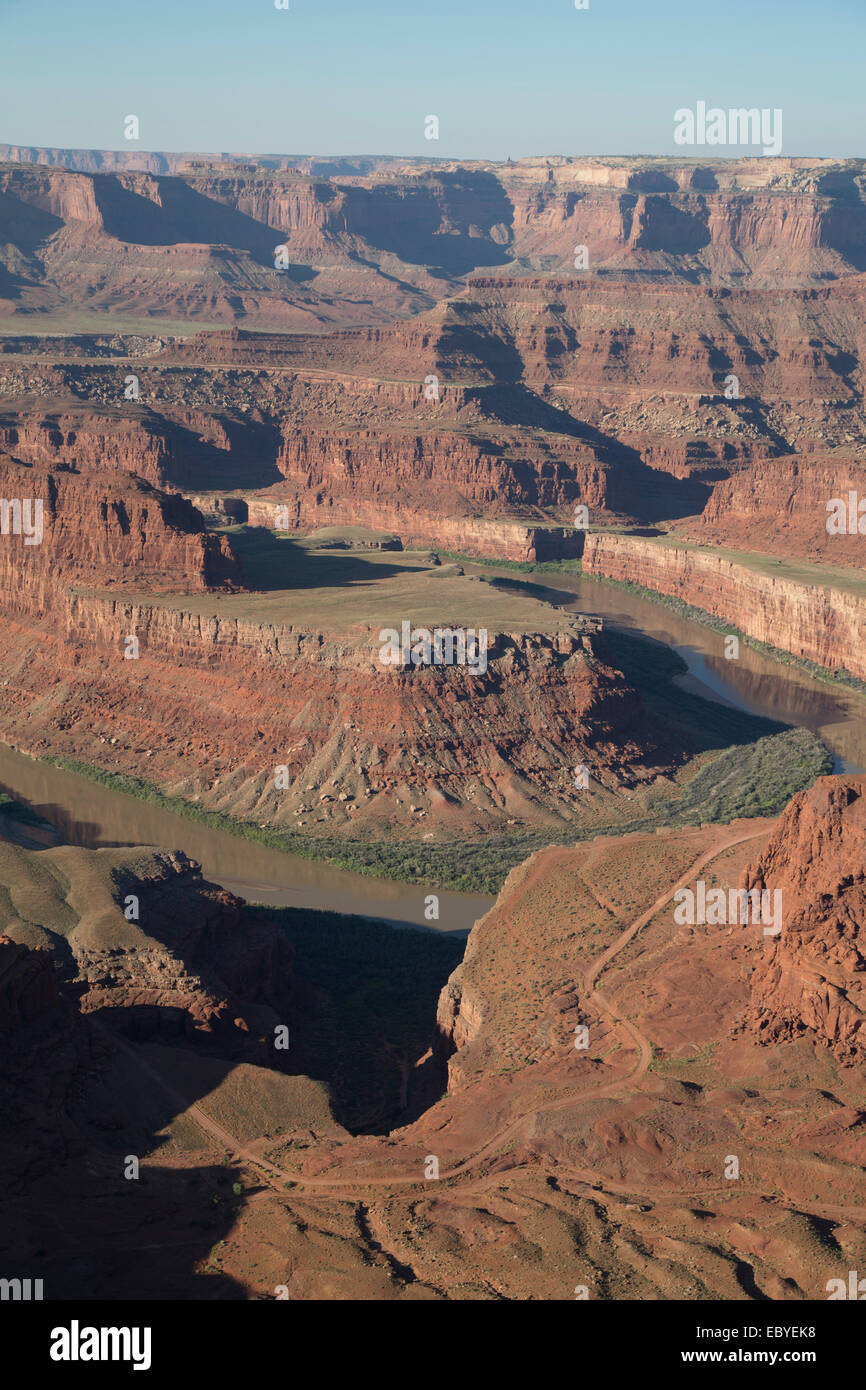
column 432, row 677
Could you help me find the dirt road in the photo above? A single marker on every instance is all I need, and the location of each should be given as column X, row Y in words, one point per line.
column 271, row 1172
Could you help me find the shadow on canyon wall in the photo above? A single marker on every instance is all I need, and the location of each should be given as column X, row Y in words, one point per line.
column 76, row 1108
column 82, row 1094
column 25, row 229
column 270, row 562
column 365, row 1004
column 647, row 494
column 249, row 460
column 182, row 215
column 451, row 223
column 660, row 226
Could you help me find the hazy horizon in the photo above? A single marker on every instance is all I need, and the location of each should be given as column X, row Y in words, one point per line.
column 324, row 154
column 503, row 79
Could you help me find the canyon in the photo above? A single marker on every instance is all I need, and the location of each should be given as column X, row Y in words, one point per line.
column 581, row 1099
column 355, row 738
column 272, row 407
column 239, row 675
column 819, row 615
column 420, row 224
column 662, row 387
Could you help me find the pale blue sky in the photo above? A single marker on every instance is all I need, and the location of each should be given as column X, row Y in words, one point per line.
column 505, row 77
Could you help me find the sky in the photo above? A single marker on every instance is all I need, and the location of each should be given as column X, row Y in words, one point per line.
column 504, row 77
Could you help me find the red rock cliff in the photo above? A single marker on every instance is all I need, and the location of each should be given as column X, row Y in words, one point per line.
column 818, row 622
column 811, row 979
column 108, row 529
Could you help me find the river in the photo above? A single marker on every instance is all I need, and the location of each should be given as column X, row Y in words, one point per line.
column 753, row 682
column 85, row 813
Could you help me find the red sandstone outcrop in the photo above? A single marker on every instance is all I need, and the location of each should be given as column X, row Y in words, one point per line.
column 499, row 538
column 545, row 393
column 216, row 704
column 105, row 528
column 811, row 979
column 140, row 242
column 88, row 442
column 799, row 220
column 464, row 749
column 783, row 506
column 594, row 334
column 155, row 951
column 585, row 390
column 197, row 978
column 591, row 334
column 817, row 620
column 406, row 480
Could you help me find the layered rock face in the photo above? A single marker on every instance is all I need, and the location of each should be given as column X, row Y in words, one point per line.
column 776, row 216
column 204, row 238
column 89, row 442
column 594, row 334
column 135, row 241
column 217, row 705
column 400, row 479
column 811, row 979
column 524, row 396
column 608, row 395
column 495, row 538
column 798, row 505
column 821, row 623
column 660, row 354
column 106, row 528
column 142, row 944
column 516, row 397
column 482, row 422
column 462, row 749
column 343, row 444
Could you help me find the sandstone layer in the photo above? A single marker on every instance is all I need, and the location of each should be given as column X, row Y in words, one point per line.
column 798, row 506
column 506, row 403
column 300, row 724
column 813, row 620
column 102, row 526
column 213, row 708
column 201, row 239
column 812, row 979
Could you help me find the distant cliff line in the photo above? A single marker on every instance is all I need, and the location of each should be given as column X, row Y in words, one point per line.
column 822, row 625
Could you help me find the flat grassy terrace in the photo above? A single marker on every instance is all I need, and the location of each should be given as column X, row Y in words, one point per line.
column 849, row 581
column 300, row 583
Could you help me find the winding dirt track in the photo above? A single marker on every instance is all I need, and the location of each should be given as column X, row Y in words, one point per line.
column 327, row 1185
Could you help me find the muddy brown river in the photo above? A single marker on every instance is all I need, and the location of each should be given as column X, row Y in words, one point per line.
column 752, row 682
column 94, row 816
column 85, row 813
